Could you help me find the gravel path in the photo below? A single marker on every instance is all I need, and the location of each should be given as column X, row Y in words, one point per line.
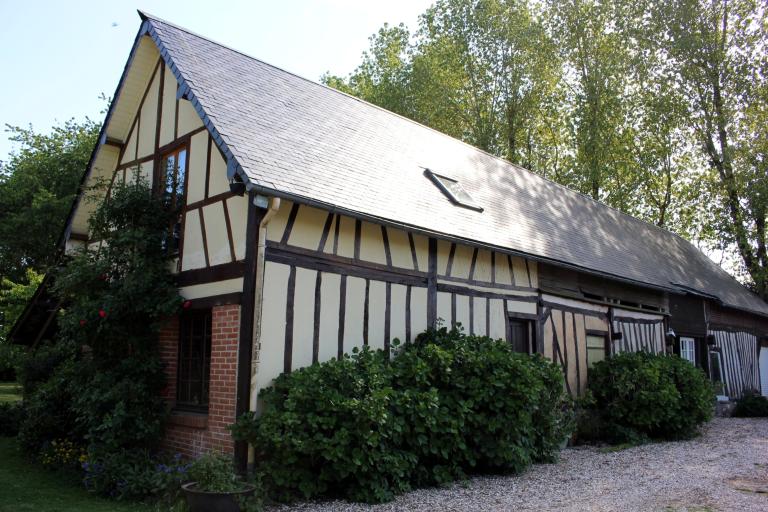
column 682, row 476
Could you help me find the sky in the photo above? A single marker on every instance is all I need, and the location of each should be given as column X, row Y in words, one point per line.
column 58, row 57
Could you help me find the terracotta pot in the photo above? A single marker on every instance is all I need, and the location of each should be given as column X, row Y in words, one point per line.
column 202, row 501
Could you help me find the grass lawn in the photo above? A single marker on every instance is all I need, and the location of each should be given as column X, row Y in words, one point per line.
column 9, row 392
column 27, row 487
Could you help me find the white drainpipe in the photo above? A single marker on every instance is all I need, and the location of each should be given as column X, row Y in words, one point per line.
column 274, row 206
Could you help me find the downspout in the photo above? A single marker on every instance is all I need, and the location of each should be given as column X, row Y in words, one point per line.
column 272, row 209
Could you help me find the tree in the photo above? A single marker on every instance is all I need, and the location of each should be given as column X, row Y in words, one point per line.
column 37, row 187
column 717, row 48
column 659, row 109
column 483, row 71
column 14, row 298
column 597, row 69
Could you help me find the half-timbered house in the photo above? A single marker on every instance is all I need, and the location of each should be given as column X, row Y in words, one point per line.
column 313, row 222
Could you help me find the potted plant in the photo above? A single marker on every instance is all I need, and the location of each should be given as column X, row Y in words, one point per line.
column 215, row 487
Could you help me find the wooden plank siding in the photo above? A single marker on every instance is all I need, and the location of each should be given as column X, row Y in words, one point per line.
column 639, row 332
column 739, row 350
column 332, row 283
column 563, row 328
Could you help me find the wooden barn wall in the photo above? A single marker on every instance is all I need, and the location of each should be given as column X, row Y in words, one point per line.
column 566, row 282
column 639, row 332
column 212, row 245
column 735, row 319
column 739, row 351
column 332, row 283
column 563, row 328
column 688, row 315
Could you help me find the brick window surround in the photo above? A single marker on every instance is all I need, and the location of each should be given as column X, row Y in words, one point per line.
column 193, row 434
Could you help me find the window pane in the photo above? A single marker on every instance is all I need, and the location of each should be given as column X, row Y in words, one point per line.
column 181, row 173
column 174, row 169
column 595, row 349
column 169, row 170
column 194, row 360
column 519, row 335
column 453, row 189
column 688, row 349
column 715, row 372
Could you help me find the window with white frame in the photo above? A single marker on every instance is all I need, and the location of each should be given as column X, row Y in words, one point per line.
column 596, row 348
column 688, row 349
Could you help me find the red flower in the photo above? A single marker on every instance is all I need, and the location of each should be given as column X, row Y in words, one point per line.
column 83, row 322
column 187, row 304
column 102, row 313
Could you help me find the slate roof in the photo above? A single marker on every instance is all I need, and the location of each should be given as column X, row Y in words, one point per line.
column 297, row 139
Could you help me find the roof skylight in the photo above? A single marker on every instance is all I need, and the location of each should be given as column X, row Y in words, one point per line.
column 453, row 189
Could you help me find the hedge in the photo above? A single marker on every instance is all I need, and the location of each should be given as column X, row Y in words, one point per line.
column 366, row 428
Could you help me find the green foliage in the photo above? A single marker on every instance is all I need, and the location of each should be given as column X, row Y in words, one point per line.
column 134, row 475
column 751, row 405
column 659, row 109
column 641, row 396
column 121, row 408
column 11, row 414
column 48, row 413
column 116, row 297
column 330, row 428
column 99, row 385
column 37, row 187
column 215, row 473
column 365, row 428
column 13, row 299
column 10, row 358
column 38, row 366
column 470, row 403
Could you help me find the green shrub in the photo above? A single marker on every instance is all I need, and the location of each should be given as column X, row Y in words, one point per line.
column 471, row 403
column 11, row 414
column 134, row 475
column 99, row 386
column 37, row 366
column 365, row 428
column 10, row 357
column 121, row 408
column 48, row 413
column 215, row 472
column 751, row 405
column 329, row 428
column 643, row 396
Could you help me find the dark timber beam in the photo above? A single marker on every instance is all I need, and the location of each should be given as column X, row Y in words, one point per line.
column 245, row 345
column 432, row 285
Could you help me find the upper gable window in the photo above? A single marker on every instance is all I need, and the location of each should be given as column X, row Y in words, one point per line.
column 453, row 189
column 173, row 182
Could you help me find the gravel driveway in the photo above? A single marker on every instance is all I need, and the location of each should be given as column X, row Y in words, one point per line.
column 683, row 476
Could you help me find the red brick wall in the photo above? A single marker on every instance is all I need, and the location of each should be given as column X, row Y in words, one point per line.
column 194, row 434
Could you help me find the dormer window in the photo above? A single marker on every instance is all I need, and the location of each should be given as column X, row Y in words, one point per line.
column 453, row 190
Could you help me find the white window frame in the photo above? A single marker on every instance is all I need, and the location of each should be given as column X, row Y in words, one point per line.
column 688, row 349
